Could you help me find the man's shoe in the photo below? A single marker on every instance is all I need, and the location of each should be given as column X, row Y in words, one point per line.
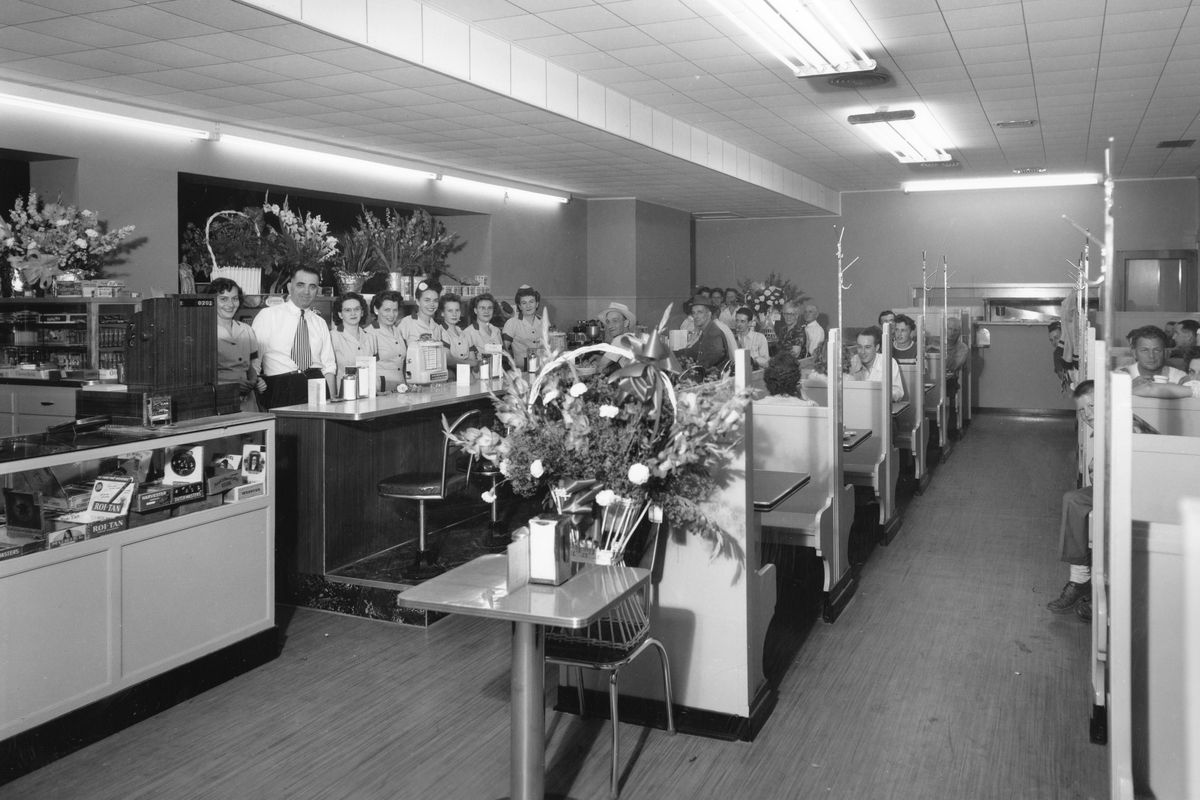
column 1072, row 595
column 1084, row 610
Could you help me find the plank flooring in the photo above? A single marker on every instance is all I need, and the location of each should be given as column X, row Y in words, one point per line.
column 944, row 678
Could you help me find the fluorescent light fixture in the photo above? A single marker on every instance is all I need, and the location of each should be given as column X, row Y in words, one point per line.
column 803, row 34
column 1010, row 182
column 910, row 140
column 104, row 116
column 540, row 195
column 359, row 164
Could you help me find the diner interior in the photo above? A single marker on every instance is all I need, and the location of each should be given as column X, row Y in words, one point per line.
column 896, row 643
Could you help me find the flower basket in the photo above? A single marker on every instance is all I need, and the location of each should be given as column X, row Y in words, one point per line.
column 249, row 278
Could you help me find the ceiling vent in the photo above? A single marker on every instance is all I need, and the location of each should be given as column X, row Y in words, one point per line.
column 953, row 163
column 1172, row 143
column 860, row 80
column 1029, row 171
column 1016, row 123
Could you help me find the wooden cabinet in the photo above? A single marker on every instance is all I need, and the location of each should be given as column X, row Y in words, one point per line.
column 89, row 619
column 76, row 333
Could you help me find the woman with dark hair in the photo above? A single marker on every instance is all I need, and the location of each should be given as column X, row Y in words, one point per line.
column 421, row 325
column 453, row 334
column 389, row 343
column 482, row 335
column 523, row 332
column 237, row 346
column 350, row 340
column 782, row 379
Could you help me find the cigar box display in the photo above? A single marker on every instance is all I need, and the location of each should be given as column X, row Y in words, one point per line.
column 107, row 511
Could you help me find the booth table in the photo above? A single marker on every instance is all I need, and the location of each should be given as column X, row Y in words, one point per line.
column 479, row 588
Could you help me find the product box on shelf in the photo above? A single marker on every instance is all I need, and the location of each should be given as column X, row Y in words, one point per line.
column 25, row 513
column 186, row 492
column 12, row 545
column 223, row 480
column 107, row 511
column 74, row 497
column 245, row 492
column 254, row 463
column 152, row 498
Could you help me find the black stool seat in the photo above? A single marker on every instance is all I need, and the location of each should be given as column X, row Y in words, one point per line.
column 412, row 485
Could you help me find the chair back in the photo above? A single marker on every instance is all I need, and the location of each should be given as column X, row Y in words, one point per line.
column 448, row 448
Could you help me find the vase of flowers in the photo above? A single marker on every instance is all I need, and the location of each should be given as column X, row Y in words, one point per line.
column 615, row 448
column 40, row 241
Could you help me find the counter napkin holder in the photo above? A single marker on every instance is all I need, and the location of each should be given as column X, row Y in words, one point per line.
column 549, row 549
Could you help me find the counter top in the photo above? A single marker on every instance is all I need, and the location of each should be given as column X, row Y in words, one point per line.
column 422, row 398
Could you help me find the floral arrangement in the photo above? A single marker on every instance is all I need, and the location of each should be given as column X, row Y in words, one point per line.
column 780, row 287
column 415, row 245
column 768, row 298
column 302, row 239
column 41, row 240
column 236, row 239
column 625, row 443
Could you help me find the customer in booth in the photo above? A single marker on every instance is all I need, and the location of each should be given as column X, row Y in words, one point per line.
column 523, row 332
column 618, row 321
column 867, row 362
column 886, row 316
column 782, row 379
column 732, row 301
column 814, row 334
column 389, row 343
column 1184, row 338
column 789, row 331
column 284, row 368
column 1149, row 345
column 904, row 343
column 453, row 333
column 707, row 347
column 482, row 335
column 237, row 346
column 749, row 339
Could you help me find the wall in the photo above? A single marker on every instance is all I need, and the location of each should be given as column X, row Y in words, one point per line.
column 612, row 254
column 129, row 177
column 664, row 260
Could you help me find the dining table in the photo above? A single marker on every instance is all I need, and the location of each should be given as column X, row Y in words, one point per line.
column 853, row 437
column 772, row 487
column 480, row 588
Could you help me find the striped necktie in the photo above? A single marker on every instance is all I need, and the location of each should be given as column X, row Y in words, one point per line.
column 301, row 353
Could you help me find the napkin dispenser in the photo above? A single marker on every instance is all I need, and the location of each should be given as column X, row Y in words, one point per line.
column 549, row 549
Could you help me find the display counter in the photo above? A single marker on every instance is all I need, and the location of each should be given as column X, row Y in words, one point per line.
column 89, row 613
column 332, row 456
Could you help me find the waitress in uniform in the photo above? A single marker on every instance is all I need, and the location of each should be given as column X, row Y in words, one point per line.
column 485, row 337
column 350, row 340
column 389, row 343
column 523, row 333
column 237, row 345
column 453, row 334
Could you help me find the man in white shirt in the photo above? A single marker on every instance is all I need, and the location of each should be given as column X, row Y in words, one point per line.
column 287, row 360
column 813, row 331
column 867, row 364
column 1149, row 354
column 749, row 339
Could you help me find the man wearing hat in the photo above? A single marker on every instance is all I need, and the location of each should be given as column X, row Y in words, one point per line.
column 707, row 346
column 618, row 320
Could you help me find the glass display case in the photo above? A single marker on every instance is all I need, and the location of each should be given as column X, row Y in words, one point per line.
column 74, row 334
column 127, row 552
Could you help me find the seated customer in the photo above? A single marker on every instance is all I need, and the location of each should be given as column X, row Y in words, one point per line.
column 867, row 365
column 1073, row 543
column 782, row 379
column 904, row 343
column 1149, row 353
column 706, row 347
column 1184, row 337
column 789, row 331
column 885, row 316
column 749, row 339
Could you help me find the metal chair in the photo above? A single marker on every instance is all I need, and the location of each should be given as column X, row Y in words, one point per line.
column 609, row 644
column 424, row 486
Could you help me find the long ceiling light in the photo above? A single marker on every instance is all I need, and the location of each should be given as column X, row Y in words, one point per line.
column 540, row 195
column 368, row 167
column 91, row 115
column 901, row 134
column 1009, row 182
column 803, row 34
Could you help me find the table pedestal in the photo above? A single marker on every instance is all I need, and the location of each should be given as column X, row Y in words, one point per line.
column 527, row 759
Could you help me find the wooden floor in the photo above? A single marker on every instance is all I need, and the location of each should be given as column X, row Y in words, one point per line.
column 944, row 678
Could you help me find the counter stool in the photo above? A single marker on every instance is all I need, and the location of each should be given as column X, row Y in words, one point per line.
column 424, row 486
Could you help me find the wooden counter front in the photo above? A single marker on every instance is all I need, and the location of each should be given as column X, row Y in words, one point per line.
column 331, row 456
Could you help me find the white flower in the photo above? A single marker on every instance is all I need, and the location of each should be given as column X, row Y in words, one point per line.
column 550, row 396
column 638, row 474
column 58, row 223
column 608, row 411
column 81, row 243
column 505, row 467
column 537, row 469
column 605, row 497
column 578, row 389
column 488, row 497
column 92, row 233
